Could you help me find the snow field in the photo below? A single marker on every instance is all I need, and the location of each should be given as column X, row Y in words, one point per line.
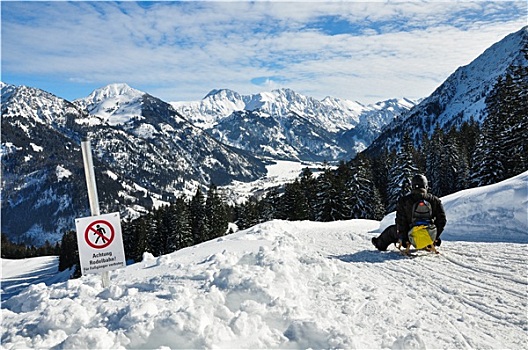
column 296, row 285
column 286, row 285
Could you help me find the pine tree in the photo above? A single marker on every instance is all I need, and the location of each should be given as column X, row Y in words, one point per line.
column 467, row 138
column 69, row 253
column 488, row 158
column 380, row 170
column 247, row 214
column 334, row 197
column 514, row 115
column 433, row 149
column 366, row 201
column 141, row 238
column 401, row 172
column 456, row 168
column 295, row 205
column 326, row 197
column 181, row 224
column 269, row 206
column 198, row 219
column 158, row 233
column 308, row 184
column 215, row 214
column 503, row 143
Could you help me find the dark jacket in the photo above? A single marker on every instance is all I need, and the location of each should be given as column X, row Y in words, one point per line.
column 404, row 210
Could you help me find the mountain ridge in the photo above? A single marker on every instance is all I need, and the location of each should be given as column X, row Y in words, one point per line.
column 461, row 97
column 244, row 121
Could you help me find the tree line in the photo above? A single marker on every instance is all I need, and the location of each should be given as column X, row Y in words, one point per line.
column 12, row 250
column 184, row 223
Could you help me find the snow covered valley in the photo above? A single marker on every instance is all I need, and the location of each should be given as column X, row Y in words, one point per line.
column 296, row 285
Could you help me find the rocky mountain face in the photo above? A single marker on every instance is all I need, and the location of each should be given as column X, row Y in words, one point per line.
column 462, row 96
column 283, row 124
column 144, row 152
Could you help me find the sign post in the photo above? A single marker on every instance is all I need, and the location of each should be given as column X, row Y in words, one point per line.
column 99, row 237
column 100, row 244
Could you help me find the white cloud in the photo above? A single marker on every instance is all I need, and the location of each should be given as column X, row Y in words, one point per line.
column 183, row 50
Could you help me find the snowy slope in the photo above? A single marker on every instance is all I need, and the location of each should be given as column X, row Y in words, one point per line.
column 494, row 213
column 19, row 274
column 298, row 285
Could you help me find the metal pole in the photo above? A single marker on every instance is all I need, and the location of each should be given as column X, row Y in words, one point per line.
column 92, row 191
column 90, row 177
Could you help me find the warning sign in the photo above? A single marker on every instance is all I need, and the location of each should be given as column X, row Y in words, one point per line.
column 99, row 231
column 100, row 243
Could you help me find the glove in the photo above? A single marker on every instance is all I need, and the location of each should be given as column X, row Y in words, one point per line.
column 437, row 242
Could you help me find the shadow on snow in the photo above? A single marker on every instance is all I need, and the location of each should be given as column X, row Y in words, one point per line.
column 369, row 256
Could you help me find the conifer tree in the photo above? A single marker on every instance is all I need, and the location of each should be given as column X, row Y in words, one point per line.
column 366, row 201
column 380, row 170
column 182, row 224
column 334, row 197
column 158, row 232
column 295, row 205
column 467, row 139
column 248, row 214
column 215, row 214
column 433, row 149
column 198, row 220
column 308, row 184
column 456, row 168
column 269, row 206
column 69, row 253
column 401, row 172
column 514, row 116
column 502, row 147
column 326, row 197
column 141, row 237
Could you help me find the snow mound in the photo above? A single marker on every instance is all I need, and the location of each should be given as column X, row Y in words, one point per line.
column 282, row 284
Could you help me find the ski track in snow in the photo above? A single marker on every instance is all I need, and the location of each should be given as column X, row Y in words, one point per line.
column 286, row 285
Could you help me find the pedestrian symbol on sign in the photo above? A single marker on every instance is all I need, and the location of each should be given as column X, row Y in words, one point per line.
column 98, row 231
column 100, row 234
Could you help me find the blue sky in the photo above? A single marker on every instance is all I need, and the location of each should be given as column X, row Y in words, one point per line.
column 179, row 51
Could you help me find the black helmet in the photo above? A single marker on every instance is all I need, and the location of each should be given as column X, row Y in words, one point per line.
column 419, row 181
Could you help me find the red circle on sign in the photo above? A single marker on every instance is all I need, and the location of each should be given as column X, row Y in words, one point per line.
column 100, row 234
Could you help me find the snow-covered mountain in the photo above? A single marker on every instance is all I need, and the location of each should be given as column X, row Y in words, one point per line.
column 295, row 285
column 144, row 152
column 462, row 96
column 114, row 104
column 287, row 125
column 331, row 113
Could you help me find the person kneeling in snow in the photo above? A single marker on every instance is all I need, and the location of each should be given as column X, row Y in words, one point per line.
column 416, row 209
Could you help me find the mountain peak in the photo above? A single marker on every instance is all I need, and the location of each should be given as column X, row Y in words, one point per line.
column 114, row 90
column 114, row 103
column 222, row 94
